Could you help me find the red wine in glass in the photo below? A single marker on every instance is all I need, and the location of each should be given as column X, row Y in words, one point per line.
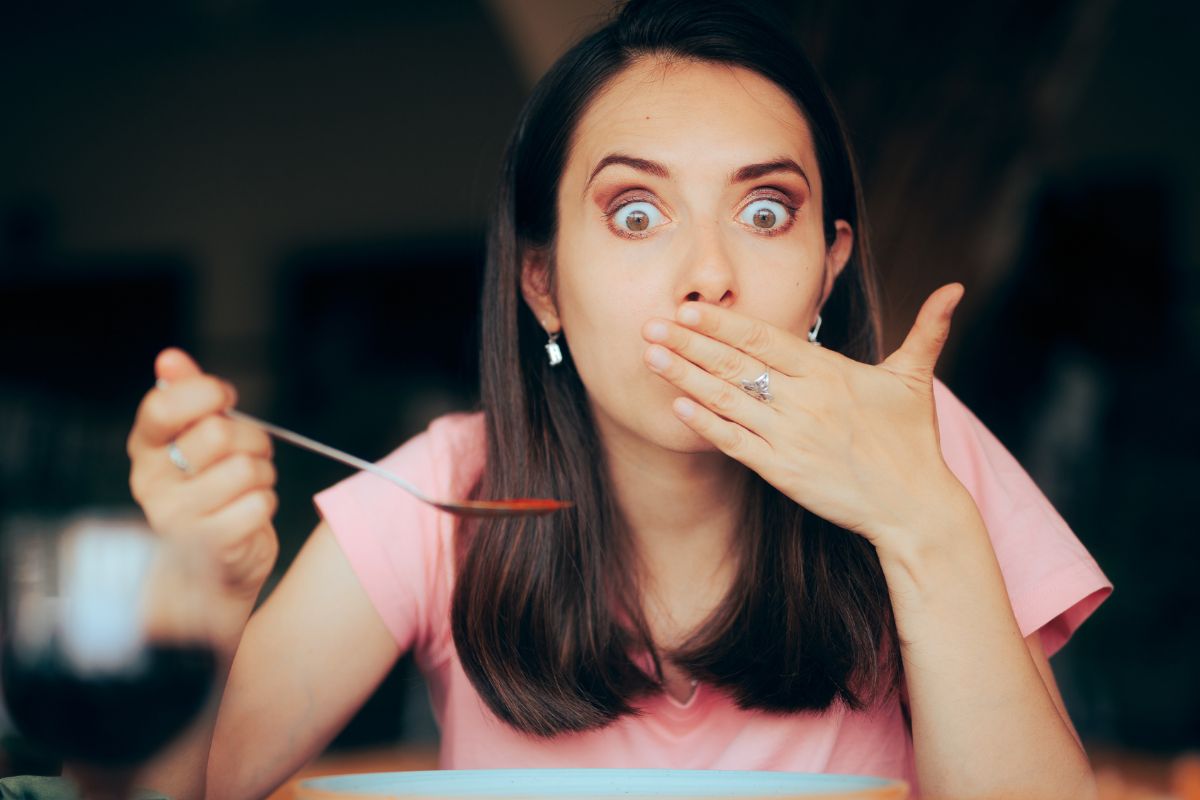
column 104, row 659
column 117, row 718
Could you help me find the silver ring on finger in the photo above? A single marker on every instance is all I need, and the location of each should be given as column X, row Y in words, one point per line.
column 179, row 459
column 760, row 387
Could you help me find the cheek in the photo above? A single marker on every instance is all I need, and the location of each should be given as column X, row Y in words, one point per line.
column 607, row 291
column 781, row 282
column 604, row 307
column 605, row 298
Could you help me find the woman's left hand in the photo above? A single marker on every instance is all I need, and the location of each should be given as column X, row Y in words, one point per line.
column 854, row 443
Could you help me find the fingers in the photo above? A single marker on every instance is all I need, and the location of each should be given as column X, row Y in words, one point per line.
column 243, row 537
column 174, row 503
column 226, row 499
column 246, row 514
column 730, row 438
column 717, row 358
column 187, row 410
column 166, row 411
column 227, row 459
column 217, row 436
column 223, row 483
column 720, row 396
column 782, row 351
column 923, row 346
column 173, row 364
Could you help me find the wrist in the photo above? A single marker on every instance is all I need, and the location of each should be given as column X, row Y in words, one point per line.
column 946, row 525
column 230, row 614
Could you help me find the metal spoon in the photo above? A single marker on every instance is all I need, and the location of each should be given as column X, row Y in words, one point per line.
column 466, row 508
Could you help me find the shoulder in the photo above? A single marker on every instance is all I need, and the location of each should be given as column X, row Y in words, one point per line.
column 400, row 548
column 447, row 457
column 985, row 466
column 1053, row 582
column 989, row 471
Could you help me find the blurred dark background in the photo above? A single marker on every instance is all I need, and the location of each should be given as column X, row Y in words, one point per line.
column 297, row 193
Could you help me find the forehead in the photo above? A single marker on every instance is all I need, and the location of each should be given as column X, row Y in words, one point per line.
column 692, row 114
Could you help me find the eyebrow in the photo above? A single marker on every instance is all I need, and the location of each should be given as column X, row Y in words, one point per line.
column 741, row 175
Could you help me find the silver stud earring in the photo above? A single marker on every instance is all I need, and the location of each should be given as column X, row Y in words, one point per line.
column 553, row 351
column 812, row 335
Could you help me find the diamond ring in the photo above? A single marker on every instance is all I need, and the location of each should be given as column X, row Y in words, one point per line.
column 760, row 387
column 179, row 459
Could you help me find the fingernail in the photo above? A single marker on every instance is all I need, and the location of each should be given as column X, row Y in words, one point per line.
column 954, row 306
column 161, row 383
column 689, row 316
column 656, row 331
column 658, row 358
column 684, row 407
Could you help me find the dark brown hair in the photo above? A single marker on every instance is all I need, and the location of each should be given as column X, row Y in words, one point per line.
column 547, row 614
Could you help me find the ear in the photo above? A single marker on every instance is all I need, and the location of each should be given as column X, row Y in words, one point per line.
column 837, row 256
column 537, row 288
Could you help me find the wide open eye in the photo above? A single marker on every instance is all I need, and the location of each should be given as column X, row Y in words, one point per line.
column 766, row 215
column 637, row 217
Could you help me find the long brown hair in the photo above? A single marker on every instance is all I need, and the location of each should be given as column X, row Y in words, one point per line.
column 547, row 614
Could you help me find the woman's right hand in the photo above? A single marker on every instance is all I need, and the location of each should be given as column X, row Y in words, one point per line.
column 225, row 499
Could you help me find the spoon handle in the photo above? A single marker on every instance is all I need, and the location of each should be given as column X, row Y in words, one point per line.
column 329, row 452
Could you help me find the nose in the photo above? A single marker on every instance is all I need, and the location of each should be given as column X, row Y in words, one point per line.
column 708, row 274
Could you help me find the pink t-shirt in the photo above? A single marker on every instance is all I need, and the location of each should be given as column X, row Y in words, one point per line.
column 401, row 551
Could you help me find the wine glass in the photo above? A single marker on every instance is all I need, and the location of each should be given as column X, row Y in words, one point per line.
column 106, row 652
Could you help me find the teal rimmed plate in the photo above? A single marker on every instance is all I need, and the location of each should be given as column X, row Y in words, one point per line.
column 594, row 784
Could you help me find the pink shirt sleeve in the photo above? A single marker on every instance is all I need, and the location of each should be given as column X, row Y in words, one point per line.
column 400, row 548
column 1053, row 583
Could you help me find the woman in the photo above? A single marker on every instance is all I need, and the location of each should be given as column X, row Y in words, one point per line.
column 785, row 552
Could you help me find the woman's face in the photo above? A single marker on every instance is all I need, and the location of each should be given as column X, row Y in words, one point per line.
column 684, row 181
